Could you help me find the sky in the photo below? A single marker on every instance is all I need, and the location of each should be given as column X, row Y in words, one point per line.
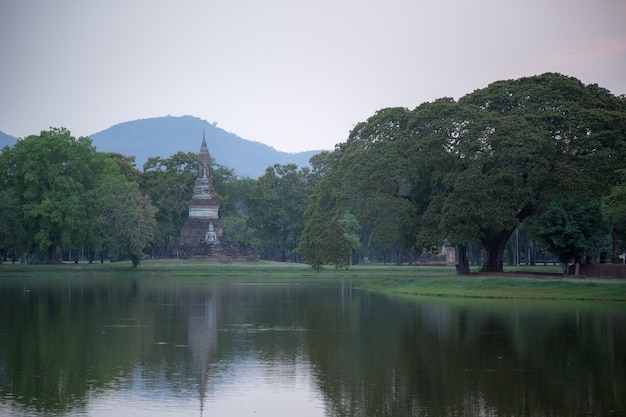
column 294, row 74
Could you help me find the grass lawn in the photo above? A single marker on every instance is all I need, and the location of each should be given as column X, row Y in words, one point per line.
column 533, row 282
column 506, row 287
column 180, row 268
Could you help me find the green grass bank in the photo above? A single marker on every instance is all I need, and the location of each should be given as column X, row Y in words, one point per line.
column 505, row 287
column 539, row 282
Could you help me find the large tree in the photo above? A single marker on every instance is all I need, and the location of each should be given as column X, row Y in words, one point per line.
column 126, row 218
column 52, row 183
column 470, row 172
column 502, row 154
column 368, row 177
column 496, row 181
column 48, row 175
column 534, row 139
column 323, row 239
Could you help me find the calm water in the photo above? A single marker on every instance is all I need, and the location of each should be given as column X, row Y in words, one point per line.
column 158, row 346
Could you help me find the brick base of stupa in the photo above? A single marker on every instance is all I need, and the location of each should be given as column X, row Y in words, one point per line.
column 193, row 243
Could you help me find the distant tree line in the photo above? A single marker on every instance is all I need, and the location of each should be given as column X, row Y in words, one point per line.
column 61, row 200
column 507, row 173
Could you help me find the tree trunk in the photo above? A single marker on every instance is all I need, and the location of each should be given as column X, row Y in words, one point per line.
column 565, row 267
column 463, row 262
column 135, row 260
column 494, row 251
column 52, row 255
column 615, row 243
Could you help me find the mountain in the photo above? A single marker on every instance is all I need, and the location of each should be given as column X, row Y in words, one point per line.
column 6, row 140
column 164, row 136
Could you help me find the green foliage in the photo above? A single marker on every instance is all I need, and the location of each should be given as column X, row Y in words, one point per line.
column 232, row 192
column 581, row 127
column 126, row 166
column 614, row 206
column 350, row 226
column 614, row 209
column 367, row 178
column 169, row 184
column 48, row 176
column 472, row 171
column 320, row 164
column 567, row 229
column 376, row 174
column 10, row 226
column 126, row 218
column 276, row 206
column 239, row 230
column 324, row 239
column 532, row 139
column 56, row 190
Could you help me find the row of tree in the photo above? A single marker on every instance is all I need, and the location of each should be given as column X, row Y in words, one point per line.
column 545, row 155
column 61, row 199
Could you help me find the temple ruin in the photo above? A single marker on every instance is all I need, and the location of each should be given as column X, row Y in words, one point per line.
column 203, row 235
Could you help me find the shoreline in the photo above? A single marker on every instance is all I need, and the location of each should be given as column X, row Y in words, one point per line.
column 537, row 283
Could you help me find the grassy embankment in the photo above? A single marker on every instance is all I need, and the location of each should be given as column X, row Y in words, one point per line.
column 524, row 283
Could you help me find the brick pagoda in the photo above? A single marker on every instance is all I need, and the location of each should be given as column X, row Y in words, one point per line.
column 203, row 235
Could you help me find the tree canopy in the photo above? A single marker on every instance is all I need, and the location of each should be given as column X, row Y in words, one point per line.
column 471, row 171
column 58, row 193
column 276, row 205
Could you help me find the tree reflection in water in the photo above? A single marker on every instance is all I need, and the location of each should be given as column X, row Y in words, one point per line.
column 160, row 346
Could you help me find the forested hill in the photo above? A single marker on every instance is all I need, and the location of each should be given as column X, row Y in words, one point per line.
column 164, row 136
column 6, row 140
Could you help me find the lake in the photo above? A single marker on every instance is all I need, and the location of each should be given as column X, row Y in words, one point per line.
column 161, row 346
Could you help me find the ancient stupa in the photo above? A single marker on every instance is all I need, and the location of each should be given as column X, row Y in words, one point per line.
column 203, row 235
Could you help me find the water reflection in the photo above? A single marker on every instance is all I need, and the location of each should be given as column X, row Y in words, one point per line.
column 159, row 346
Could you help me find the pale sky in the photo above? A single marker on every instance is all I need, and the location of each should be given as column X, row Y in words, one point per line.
column 294, row 74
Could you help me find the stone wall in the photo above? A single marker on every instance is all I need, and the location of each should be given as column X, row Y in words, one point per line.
column 192, row 243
